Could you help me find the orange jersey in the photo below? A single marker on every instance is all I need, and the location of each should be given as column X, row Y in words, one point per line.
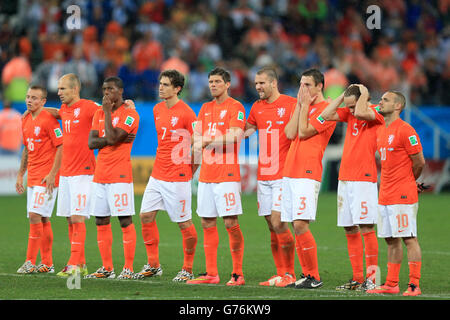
column 174, row 128
column 76, row 120
column 304, row 158
column 395, row 144
column 270, row 119
column 41, row 136
column 358, row 158
column 220, row 164
column 114, row 162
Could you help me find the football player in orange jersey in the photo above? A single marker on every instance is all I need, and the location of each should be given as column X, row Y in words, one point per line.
column 112, row 187
column 217, row 135
column 269, row 115
column 169, row 187
column 402, row 162
column 41, row 156
column 302, row 173
column 357, row 188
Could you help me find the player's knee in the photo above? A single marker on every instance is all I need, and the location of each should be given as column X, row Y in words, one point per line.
column 102, row 221
column 230, row 222
column 125, row 221
column 147, row 217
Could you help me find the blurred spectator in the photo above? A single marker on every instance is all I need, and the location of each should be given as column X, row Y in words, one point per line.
column 175, row 62
column 16, row 76
column 84, row 70
column 48, row 73
column 10, row 130
column 115, row 44
column 410, row 50
column 147, row 52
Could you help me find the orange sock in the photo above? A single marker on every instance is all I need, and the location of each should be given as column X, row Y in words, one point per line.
column 276, row 253
column 236, row 240
column 287, row 245
column 309, row 248
column 414, row 272
column 46, row 244
column 393, row 274
column 211, row 243
column 129, row 245
column 189, row 235
column 34, row 241
column 301, row 259
column 104, row 241
column 150, row 235
column 77, row 244
column 371, row 253
column 355, row 253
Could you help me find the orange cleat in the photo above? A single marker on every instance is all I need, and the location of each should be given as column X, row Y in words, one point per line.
column 273, row 280
column 385, row 289
column 412, row 291
column 205, row 279
column 236, row 280
column 285, row 281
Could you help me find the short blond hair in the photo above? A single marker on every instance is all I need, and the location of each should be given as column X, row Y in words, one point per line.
column 399, row 98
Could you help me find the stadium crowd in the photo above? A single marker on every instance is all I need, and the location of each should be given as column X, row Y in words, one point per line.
column 137, row 39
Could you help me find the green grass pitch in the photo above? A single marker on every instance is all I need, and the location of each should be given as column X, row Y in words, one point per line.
column 334, row 265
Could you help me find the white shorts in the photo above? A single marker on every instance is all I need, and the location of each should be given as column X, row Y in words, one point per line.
column 357, row 203
column 112, row 199
column 299, row 199
column 40, row 202
column 173, row 197
column 74, row 196
column 397, row 220
column 269, row 196
column 219, row 199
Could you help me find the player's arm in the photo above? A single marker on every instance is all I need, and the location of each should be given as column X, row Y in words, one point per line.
column 249, row 129
column 291, row 128
column 197, row 147
column 53, row 111
column 96, row 142
column 233, row 135
column 22, row 170
column 49, row 179
column 418, row 162
column 329, row 113
column 362, row 111
column 305, row 129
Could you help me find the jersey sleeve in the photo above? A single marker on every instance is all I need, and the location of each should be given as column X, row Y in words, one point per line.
column 95, row 121
column 129, row 121
column 251, row 116
column 378, row 117
column 237, row 116
column 411, row 140
column 55, row 132
column 343, row 113
column 200, row 119
column 190, row 120
column 319, row 123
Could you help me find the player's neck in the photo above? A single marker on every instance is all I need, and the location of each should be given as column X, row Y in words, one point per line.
column 35, row 113
column 390, row 118
column 117, row 105
column 274, row 97
column 75, row 100
column 319, row 99
column 224, row 96
column 172, row 101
